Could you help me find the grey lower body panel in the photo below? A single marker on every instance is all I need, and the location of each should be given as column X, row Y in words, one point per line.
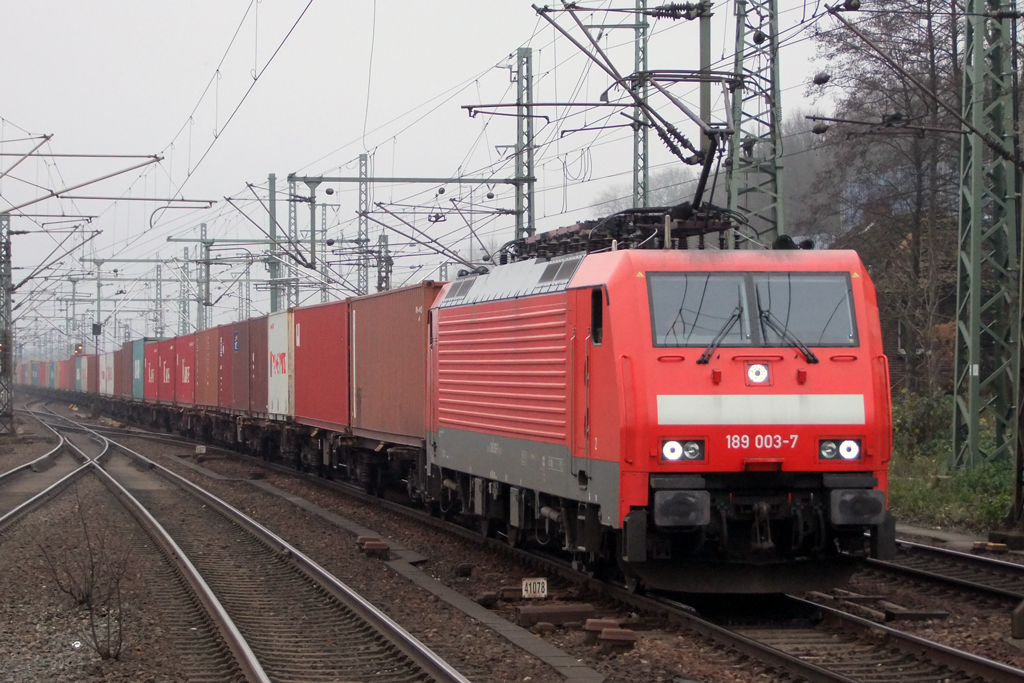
column 548, row 468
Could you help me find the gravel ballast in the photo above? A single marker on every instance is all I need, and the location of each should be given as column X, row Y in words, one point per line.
column 40, row 625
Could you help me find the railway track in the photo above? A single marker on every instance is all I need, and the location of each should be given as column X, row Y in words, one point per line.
column 26, row 486
column 940, row 565
column 829, row 646
column 282, row 617
column 840, row 647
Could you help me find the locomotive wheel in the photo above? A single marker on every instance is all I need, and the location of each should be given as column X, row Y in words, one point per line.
column 371, row 480
column 585, row 563
column 486, row 527
column 633, row 584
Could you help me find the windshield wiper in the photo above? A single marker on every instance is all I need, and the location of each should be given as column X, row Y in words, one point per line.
column 706, row 356
column 773, row 322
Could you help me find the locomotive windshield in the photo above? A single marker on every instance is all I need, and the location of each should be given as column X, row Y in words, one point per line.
column 691, row 309
column 816, row 308
column 784, row 309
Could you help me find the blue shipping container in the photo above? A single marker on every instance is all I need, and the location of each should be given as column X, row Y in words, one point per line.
column 138, row 369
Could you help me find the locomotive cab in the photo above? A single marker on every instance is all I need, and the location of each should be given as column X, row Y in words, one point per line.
column 754, row 418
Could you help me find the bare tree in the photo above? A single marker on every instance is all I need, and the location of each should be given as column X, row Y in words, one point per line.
column 669, row 186
column 90, row 569
column 894, row 180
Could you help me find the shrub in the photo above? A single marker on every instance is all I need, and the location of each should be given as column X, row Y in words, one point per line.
column 973, row 499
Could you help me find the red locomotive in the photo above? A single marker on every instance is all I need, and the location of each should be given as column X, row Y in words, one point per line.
column 691, row 420
column 711, row 420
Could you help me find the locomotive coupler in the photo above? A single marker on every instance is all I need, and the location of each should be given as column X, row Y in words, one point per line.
column 762, row 527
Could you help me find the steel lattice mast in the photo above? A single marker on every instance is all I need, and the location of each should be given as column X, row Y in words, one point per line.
column 292, row 288
column 363, row 237
column 641, row 145
column 524, row 149
column 6, row 330
column 987, row 363
column 755, row 188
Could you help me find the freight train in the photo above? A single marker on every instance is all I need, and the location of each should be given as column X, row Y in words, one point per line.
column 687, row 420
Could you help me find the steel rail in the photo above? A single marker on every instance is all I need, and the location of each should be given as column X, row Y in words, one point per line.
column 38, row 461
column 408, row 644
column 682, row 614
column 46, row 494
column 685, row 615
column 980, row 562
column 244, row 657
column 967, row 557
column 748, row 646
column 972, row 664
column 673, row 610
column 53, row 489
column 76, row 426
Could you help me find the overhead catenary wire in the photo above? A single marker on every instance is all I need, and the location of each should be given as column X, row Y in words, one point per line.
column 586, row 174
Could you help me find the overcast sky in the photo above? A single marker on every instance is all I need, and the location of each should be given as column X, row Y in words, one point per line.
column 230, row 91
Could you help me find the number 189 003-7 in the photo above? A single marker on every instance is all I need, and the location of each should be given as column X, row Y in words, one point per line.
column 761, row 440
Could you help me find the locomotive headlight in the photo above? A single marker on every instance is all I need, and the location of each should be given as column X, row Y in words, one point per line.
column 674, row 450
column 757, row 373
column 849, row 450
column 846, row 449
column 693, row 450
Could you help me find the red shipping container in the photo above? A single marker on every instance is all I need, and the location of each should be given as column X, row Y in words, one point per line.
column 151, row 374
column 184, row 370
column 321, row 365
column 207, row 342
column 224, row 358
column 168, row 359
column 388, row 363
column 239, row 353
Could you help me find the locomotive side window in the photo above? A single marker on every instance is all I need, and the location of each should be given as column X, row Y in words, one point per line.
column 695, row 309
column 596, row 316
column 816, row 308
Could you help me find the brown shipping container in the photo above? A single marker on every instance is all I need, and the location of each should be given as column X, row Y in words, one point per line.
column 388, row 363
column 118, row 372
column 93, row 363
column 225, row 356
column 207, row 348
column 259, row 366
column 240, row 367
